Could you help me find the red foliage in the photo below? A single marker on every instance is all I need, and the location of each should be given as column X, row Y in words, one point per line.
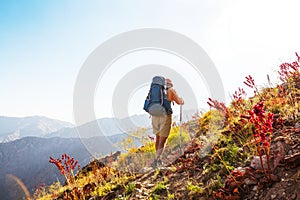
column 236, row 184
column 239, row 95
column 262, row 122
column 289, row 69
column 298, row 57
column 219, row 106
column 263, row 133
column 249, row 81
column 66, row 166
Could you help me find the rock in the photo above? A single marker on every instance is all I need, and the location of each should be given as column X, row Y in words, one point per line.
column 293, row 160
column 259, row 176
column 286, row 174
column 273, row 196
column 111, row 158
column 146, row 169
column 283, row 194
column 163, row 168
column 294, row 196
column 139, row 190
column 249, row 181
column 145, row 194
column 256, row 164
column 149, row 185
column 278, row 150
column 274, row 178
column 240, row 170
column 255, row 188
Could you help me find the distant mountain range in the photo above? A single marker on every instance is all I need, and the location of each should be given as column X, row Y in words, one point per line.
column 12, row 128
column 28, row 159
column 104, row 126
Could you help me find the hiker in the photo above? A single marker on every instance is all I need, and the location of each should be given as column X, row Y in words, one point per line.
column 158, row 104
column 162, row 135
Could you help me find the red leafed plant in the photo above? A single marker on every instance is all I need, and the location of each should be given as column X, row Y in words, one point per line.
column 219, row 106
column 239, row 95
column 289, row 74
column 238, row 99
column 66, row 166
column 288, row 70
column 263, row 132
column 250, row 83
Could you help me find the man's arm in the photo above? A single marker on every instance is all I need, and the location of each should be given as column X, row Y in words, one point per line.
column 172, row 96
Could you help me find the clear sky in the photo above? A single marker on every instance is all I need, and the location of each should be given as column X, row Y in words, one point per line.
column 43, row 44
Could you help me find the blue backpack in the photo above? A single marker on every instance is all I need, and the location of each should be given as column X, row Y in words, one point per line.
column 156, row 103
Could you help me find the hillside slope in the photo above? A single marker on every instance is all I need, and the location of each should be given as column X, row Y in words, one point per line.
column 247, row 150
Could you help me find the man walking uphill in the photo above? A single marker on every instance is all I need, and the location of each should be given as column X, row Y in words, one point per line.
column 162, row 124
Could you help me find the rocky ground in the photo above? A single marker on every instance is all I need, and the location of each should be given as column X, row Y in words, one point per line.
column 173, row 181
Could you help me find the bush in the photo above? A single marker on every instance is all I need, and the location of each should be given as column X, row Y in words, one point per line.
column 173, row 140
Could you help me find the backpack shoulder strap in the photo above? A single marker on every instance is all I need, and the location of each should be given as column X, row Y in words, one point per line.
column 161, row 95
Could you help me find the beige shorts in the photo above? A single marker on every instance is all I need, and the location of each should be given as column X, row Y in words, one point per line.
column 162, row 125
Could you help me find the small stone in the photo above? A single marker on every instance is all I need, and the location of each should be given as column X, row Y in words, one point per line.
column 256, row 164
column 240, row 169
column 139, row 190
column 249, row 181
column 274, row 178
column 286, row 174
column 163, row 168
column 255, row 188
column 145, row 194
column 176, row 175
column 294, row 196
column 273, row 196
column 149, row 185
column 146, row 169
column 283, row 194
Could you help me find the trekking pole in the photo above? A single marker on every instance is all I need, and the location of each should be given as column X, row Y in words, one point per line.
column 180, row 129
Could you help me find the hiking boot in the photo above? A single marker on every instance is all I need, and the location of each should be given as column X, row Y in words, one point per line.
column 159, row 162
column 154, row 164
